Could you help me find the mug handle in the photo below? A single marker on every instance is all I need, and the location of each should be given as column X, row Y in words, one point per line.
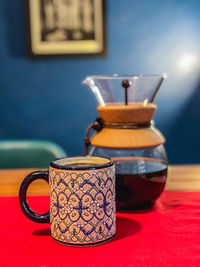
column 32, row 215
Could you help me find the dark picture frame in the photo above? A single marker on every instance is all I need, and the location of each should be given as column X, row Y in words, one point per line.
column 66, row 27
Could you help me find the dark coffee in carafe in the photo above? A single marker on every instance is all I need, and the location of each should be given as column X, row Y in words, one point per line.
column 143, row 186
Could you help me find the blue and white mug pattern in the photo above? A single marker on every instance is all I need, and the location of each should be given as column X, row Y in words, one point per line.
column 82, row 205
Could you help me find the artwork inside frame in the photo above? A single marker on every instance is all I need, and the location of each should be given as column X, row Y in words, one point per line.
column 66, row 27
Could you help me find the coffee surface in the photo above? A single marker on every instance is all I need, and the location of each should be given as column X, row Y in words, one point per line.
column 73, row 162
column 81, row 164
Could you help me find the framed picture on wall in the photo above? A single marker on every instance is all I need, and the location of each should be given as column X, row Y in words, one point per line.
column 66, row 27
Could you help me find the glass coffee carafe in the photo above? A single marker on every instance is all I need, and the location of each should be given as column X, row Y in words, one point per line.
column 126, row 133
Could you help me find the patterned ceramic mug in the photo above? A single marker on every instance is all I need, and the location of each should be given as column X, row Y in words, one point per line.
column 82, row 200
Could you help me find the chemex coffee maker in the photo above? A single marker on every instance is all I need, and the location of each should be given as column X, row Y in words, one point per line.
column 126, row 133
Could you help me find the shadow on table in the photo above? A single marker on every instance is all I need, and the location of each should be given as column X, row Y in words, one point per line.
column 137, row 211
column 42, row 232
column 125, row 227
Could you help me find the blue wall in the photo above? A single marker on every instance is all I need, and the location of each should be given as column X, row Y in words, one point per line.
column 44, row 98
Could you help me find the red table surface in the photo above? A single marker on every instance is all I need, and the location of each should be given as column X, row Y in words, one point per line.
column 167, row 235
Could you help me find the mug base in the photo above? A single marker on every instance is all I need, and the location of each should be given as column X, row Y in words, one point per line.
column 84, row 245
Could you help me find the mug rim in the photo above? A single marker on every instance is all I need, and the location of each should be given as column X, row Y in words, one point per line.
column 53, row 164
